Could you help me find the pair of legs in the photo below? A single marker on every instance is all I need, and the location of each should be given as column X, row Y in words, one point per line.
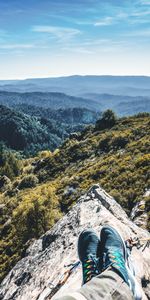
column 106, row 273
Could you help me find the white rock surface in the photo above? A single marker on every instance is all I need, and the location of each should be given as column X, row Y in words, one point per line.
column 46, row 258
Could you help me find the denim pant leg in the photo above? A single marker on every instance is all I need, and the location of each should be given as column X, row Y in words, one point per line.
column 106, row 286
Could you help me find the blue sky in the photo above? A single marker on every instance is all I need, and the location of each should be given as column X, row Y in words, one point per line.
column 46, row 38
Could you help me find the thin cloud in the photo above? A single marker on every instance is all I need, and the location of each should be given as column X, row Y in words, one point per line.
column 58, row 32
column 145, row 2
column 105, row 22
column 139, row 33
column 16, row 46
column 140, row 13
column 78, row 49
column 132, row 16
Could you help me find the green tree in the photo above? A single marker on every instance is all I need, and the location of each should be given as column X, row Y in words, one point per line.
column 28, row 181
column 107, row 120
column 10, row 165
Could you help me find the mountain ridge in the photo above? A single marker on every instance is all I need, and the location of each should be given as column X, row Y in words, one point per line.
column 76, row 85
column 92, row 101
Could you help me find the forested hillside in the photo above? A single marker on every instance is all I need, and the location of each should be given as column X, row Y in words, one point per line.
column 123, row 105
column 47, row 100
column 31, row 128
column 113, row 152
column 71, row 116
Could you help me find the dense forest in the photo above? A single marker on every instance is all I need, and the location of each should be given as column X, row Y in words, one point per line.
column 122, row 104
column 35, row 192
column 47, row 100
column 70, row 116
column 30, row 129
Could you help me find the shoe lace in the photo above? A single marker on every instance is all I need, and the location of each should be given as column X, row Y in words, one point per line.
column 116, row 260
column 90, row 268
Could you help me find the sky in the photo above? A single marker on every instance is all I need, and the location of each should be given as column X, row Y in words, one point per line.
column 51, row 38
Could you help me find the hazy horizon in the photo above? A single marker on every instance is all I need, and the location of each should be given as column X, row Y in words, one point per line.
column 44, row 39
column 73, row 75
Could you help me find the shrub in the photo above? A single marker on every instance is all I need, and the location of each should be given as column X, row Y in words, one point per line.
column 30, row 219
column 119, row 142
column 113, row 142
column 147, row 206
column 108, row 120
column 116, row 195
column 35, row 214
column 142, row 115
column 28, row 181
column 104, row 144
column 44, row 154
column 10, row 165
column 143, row 161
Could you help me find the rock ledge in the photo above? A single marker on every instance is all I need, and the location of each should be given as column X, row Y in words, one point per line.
column 47, row 257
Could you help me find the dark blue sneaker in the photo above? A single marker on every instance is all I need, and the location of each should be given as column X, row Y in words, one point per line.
column 113, row 253
column 88, row 243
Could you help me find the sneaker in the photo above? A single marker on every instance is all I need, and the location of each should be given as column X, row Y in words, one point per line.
column 88, row 243
column 114, row 254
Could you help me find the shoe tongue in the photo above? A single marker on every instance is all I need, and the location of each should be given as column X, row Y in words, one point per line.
column 89, row 257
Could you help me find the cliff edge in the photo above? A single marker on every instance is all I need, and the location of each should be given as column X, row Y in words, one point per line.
column 47, row 259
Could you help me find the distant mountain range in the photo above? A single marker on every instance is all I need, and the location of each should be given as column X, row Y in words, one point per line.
column 122, row 105
column 126, row 95
column 79, row 85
